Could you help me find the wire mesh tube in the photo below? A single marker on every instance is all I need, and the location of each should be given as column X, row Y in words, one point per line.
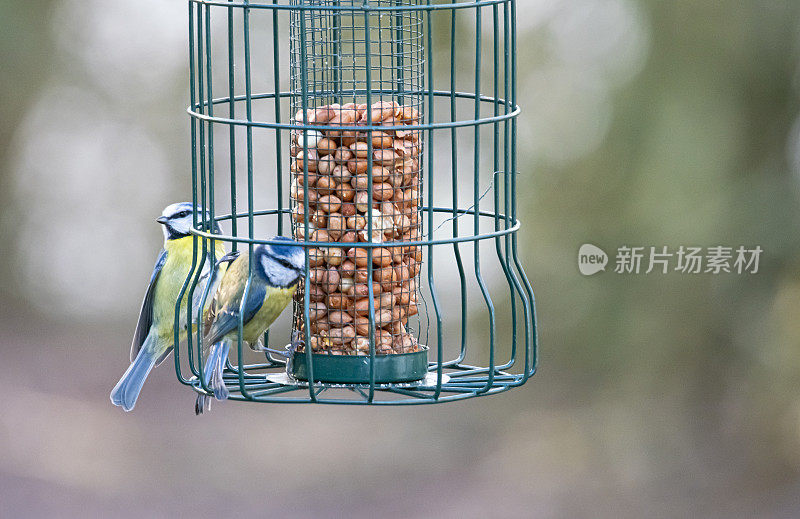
column 356, row 184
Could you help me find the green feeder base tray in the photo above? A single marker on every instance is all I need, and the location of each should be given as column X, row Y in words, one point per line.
column 354, row 369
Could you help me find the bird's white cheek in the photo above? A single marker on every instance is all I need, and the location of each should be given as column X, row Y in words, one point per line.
column 183, row 226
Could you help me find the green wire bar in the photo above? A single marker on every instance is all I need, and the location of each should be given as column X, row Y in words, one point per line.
column 380, row 135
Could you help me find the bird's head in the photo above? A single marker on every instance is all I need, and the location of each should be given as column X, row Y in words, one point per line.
column 177, row 220
column 283, row 265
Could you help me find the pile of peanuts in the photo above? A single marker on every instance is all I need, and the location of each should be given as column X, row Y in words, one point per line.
column 338, row 204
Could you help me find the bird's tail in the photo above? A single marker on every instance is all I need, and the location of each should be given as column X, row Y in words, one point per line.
column 214, row 368
column 127, row 389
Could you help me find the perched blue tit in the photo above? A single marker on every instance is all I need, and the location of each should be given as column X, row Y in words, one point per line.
column 277, row 269
column 154, row 336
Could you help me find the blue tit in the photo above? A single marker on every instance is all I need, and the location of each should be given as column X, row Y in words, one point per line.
column 277, row 269
column 154, row 336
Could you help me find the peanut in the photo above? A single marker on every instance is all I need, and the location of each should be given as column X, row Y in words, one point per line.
column 315, row 257
column 341, row 335
column 333, row 255
column 331, row 280
column 360, row 149
column 361, row 344
column 326, row 146
column 325, row 165
column 346, row 192
column 339, row 302
column 357, row 166
column 348, row 269
column 360, row 182
column 362, row 325
column 362, row 201
column 339, row 318
column 349, row 237
column 317, row 311
column 342, row 155
column 341, row 174
column 348, row 210
column 316, row 294
column 381, row 140
column 318, row 219
column 380, row 174
column 384, row 157
column 380, row 111
column 326, row 185
column 330, row 203
column 313, row 156
column 337, row 225
column 359, row 257
column 324, row 114
column 382, row 191
column 381, row 257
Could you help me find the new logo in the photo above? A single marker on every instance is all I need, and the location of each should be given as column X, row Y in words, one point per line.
column 591, row 259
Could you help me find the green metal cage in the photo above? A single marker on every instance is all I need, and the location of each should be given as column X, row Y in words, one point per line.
column 406, row 110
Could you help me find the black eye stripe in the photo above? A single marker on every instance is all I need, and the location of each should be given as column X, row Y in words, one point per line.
column 284, row 262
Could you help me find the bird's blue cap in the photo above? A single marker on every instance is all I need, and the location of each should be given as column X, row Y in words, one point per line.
column 284, row 250
column 289, row 253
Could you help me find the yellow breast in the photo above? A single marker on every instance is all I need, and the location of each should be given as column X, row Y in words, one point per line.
column 274, row 303
column 170, row 282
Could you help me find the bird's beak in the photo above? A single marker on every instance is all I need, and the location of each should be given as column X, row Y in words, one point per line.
column 162, row 219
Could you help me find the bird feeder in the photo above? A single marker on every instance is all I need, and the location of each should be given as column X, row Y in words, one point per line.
column 381, row 135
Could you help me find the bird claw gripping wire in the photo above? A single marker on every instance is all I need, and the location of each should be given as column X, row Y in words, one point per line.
column 295, row 342
column 288, row 353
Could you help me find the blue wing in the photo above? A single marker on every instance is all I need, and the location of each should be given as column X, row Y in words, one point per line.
column 227, row 319
column 146, row 314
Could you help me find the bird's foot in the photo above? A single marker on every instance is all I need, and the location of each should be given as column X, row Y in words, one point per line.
column 296, row 342
column 280, row 353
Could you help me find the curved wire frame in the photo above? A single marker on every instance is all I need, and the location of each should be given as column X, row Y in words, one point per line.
column 445, row 239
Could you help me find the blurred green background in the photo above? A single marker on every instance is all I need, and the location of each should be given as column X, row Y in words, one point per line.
column 645, row 123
